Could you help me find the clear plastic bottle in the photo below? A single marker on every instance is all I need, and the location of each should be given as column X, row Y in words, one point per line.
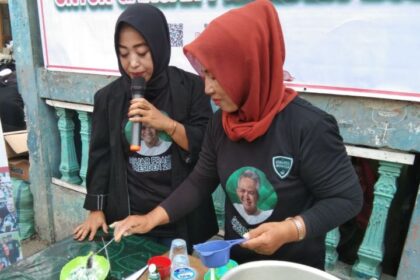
column 178, row 254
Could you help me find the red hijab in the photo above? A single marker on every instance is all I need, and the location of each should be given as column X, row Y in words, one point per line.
column 244, row 50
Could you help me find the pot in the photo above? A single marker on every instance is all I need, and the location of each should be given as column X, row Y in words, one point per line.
column 276, row 270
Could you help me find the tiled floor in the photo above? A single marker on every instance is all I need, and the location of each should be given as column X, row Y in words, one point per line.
column 32, row 245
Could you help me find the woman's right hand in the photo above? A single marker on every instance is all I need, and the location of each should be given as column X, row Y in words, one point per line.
column 95, row 220
column 140, row 223
column 143, row 111
column 133, row 224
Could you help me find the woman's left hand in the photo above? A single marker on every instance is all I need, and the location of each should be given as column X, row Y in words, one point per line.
column 269, row 237
column 143, row 111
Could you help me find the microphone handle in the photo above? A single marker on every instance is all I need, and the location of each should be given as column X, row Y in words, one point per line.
column 135, row 133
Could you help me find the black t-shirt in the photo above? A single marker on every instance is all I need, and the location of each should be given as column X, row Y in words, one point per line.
column 301, row 167
column 149, row 170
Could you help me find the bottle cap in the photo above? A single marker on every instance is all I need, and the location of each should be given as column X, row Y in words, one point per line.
column 153, row 273
column 152, row 268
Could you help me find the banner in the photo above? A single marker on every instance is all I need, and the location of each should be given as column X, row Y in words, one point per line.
column 10, row 249
column 348, row 47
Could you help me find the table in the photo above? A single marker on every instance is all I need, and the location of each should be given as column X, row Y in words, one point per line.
column 125, row 257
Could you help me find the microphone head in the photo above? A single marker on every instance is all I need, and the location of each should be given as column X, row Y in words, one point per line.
column 138, row 83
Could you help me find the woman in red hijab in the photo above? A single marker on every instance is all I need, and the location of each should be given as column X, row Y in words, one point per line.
column 306, row 182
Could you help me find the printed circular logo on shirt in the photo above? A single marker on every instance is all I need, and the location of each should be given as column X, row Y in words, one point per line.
column 251, row 194
column 153, row 142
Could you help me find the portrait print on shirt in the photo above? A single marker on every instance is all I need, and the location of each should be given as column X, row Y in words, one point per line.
column 154, row 154
column 151, row 142
column 252, row 195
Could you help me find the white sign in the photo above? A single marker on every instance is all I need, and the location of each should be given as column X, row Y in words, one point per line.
column 350, row 47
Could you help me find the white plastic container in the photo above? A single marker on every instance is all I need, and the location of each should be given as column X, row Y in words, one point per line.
column 276, row 270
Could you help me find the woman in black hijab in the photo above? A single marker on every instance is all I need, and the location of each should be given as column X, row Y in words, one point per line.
column 121, row 183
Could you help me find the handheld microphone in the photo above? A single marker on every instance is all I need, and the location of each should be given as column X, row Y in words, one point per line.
column 138, row 86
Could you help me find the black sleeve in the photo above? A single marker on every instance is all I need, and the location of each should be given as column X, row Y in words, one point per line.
column 199, row 114
column 200, row 184
column 327, row 171
column 99, row 156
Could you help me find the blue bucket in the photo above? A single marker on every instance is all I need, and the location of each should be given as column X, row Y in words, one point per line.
column 215, row 253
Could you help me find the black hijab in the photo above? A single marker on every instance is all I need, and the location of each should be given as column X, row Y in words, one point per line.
column 151, row 23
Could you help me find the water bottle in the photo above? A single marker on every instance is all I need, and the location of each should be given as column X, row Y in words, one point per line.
column 178, row 254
